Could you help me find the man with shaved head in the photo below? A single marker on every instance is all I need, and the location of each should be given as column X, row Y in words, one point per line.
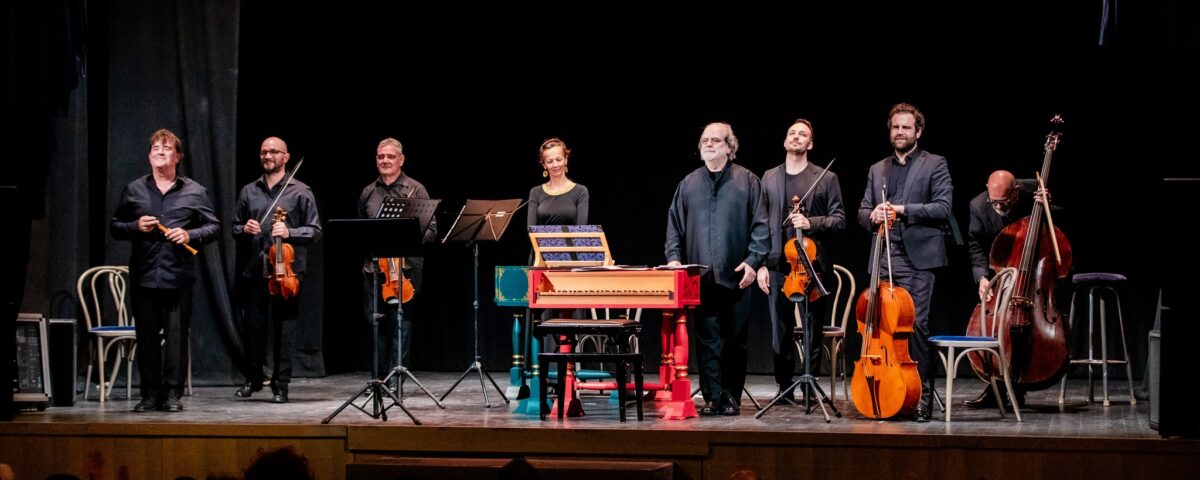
column 255, row 230
column 1005, row 201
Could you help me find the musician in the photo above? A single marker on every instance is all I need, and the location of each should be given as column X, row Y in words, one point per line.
column 255, row 230
column 919, row 190
column 392, row 182
column 1005, row 201
column 559, row 201
column 161, row 269
column 718, row 218
column 823, row 217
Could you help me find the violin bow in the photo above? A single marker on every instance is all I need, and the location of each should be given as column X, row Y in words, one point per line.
column 287, row 182
column 1049, row 219
column 887, row 239
column 796, row 205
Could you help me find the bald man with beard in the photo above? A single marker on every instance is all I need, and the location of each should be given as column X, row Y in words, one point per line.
column 1005, row 201
column 255, row 230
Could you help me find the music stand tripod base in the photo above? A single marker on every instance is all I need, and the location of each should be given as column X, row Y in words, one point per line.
column 395, row 235
column 806, row 379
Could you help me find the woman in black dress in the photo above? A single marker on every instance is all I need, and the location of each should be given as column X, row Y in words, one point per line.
column 559, row 201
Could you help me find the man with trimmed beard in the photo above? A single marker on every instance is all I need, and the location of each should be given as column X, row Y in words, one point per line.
column 920, row 193
column 262, row 312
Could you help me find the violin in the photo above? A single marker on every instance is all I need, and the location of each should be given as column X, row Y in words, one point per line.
column 885, row 382
column 395, row 285
column 1036, row 338
column 283, row 281
column 801, row 273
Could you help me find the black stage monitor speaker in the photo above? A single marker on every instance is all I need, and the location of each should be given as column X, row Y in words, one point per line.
column 64, row 353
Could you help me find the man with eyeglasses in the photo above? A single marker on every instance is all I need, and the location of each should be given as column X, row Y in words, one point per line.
column 255, row 230
column 1005, row 201
column 718, row 217
column 392, row 182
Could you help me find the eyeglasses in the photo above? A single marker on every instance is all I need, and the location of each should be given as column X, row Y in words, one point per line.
column 1004, row 202
column 264, row 153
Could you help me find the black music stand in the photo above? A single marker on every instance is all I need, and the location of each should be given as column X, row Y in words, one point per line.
column 377, row 238
column 807, row 379
column 479, row 221
column 422, row 209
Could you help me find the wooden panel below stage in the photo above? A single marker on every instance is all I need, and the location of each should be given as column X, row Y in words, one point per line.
column 161, row 451
column 220, row 435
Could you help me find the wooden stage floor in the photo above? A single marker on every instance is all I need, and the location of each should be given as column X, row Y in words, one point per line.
column 1078, row 440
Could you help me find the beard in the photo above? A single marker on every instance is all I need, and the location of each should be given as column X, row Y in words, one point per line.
column 903, row 145
column 709, row 156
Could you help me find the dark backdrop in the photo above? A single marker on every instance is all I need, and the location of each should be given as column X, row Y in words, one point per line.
column 629, row 90
column 471, row 100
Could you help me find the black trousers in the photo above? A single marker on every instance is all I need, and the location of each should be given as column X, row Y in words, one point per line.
column 720, row 325
column 389, row 323
column 267, row 316
column 783, row 321
column 163, row 318
column 919, row 284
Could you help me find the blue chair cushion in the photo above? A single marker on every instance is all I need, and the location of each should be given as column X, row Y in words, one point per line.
column 1098, row 278
column 113, row 328
column 960, row 338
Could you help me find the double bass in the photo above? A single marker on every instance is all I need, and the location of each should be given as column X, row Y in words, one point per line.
column 1036, row 339
column 885, row 382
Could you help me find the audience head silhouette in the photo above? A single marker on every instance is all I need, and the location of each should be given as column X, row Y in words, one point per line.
column 279, row 464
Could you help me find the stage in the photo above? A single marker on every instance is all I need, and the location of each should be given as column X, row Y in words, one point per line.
column 219, row 434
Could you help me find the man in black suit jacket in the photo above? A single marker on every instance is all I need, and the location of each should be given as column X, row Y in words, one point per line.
column 919, row 190
column 1005, row 201
column 822, row 217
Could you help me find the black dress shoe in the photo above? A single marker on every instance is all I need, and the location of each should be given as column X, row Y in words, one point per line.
column 788, row 398
column 171, row 405
column 985, row 400
column 247, row 390
column 922, row 415
column 146, row 405
column 280, row 395
column 731, row 410
column 709, row 409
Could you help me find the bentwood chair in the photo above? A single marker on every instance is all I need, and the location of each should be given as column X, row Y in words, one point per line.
column 101, row 293
column 989, row 344
column 835, row 332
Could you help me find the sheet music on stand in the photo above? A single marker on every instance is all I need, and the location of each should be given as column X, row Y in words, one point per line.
column 482, row 220
column 401, row 207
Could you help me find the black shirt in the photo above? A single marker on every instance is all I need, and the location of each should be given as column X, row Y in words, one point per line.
column 719, row 223
column 371, row 199
column 304, row 225
column 154, row 261
column 567, row 208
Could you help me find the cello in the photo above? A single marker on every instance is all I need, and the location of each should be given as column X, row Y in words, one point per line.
column 283, row 281
column 885, row 382
column 1036, row 339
